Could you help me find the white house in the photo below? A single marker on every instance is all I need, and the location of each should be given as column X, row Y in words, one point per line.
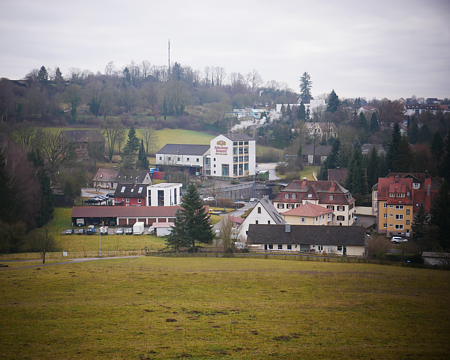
column 165, row 194
column 233, row 156
column 263, row 213
column 193, row 157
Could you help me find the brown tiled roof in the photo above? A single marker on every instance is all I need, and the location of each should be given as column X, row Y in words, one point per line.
column 395, row 185
column 307, row 235
column 338, row 175
column 105, row 175
column 308, row 210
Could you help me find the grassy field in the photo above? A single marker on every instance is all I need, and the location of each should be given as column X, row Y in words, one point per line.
column 218, row 308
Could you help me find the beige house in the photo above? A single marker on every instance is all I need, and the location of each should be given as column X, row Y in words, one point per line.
column 327, row 194
column 323, row 240
column 309, row 214
column 322, row 129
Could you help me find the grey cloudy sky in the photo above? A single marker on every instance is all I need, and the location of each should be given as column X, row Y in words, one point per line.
column 373, row 49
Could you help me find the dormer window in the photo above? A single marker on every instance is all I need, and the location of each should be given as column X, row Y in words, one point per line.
column 286, row 196
column 309, row 196
column 331, row 197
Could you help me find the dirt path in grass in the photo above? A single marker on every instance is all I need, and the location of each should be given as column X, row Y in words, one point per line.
column 68, row 261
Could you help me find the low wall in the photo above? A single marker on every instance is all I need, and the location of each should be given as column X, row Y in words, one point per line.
column 363, row 210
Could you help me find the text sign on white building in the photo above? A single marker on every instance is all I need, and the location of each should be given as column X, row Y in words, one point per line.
column 220, row 148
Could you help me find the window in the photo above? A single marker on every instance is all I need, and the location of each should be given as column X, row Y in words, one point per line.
column 330, row 207
column 270, row 246
column 407, row 222
column 385, row 216
column 128, row 200
column 286, row 196
column 178, row 159
column 391, row 206
column 331, row 197
column 256, row 222
column 390, row 225
column 280, row 206
column 320, row 247
column 399, row 226
column 309, row 196
column 407, row 212
column 268, row 222
column 259, row 210
column 160, row 158
column 302, row 219
column 245, row 166
column 139, row 201
column 399, row 217
column 280, row 247
column 385, row 225
column 392, row 195
column 235, row 159
column 399, row 207
column 289, row 247
column 197, row 159
column 186, row 159
column 340, row 218
column 385, row 205
column 340, row 208
column 391, row 215
column 294, row 196
column 339, row 248
column 123, row 189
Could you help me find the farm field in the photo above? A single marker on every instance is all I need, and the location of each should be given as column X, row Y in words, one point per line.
column 224, row 308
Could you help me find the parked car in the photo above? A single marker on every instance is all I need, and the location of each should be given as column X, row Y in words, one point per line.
column 151, row 230
column 81, row 231
column 398, row 239
column 69, row 232
column 104, row 230
column 90, row 230
column 119, row 231
column 129, row 231
column 253, row 199
column 209, row 198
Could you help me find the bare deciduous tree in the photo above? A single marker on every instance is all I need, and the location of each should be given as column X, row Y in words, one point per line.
column 114, row 133
column 149, row 136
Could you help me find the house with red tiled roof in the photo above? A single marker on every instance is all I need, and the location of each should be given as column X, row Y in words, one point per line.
column 395, row 206
column 309, row 214
column 327, row 194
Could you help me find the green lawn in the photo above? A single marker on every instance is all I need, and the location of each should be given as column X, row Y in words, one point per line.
column 222, row 308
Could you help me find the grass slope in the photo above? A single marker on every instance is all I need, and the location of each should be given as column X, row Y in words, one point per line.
column 213, row 308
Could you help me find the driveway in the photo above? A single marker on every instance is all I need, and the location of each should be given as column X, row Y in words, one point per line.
column 271, row 168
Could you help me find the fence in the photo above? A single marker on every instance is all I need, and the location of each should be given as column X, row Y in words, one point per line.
column 70, row 254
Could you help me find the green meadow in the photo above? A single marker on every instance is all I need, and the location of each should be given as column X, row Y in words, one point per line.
column 223, row 308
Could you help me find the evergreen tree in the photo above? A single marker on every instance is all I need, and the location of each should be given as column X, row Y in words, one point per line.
column 301, row 112
column 440, row 215
column 373, row 167
column 43, row 75
column 444, row 168
column 437, row 146
column 404, row 157
column 132, row 143
column 356, row 179
column 393, row 147
column 413, row 132
column 419, row 228
column 142, row 162
column 331, row 161
column 196, row 217
column 424, row 135
column 363, row 122
column 374, row 123
column 6, row 210
column 179, row 236
column 333, row 102
column 305, row 88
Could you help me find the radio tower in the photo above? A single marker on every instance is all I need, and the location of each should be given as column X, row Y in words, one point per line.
column 169, row 57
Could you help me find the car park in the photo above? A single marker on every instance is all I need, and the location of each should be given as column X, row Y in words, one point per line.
column 129, row 231
column 119, row 231
column 69, row 232
column 398, row 239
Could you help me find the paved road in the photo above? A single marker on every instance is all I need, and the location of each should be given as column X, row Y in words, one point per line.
column 68, row 261
column 271, row 168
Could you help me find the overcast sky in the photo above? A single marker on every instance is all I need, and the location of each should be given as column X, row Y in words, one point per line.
column 373, row 49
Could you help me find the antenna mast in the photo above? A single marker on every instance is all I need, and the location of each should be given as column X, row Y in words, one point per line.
column 169, row 57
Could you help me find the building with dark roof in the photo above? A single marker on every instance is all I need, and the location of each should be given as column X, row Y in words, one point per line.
column 338, row 240
column 130, row 195
column 328, row 194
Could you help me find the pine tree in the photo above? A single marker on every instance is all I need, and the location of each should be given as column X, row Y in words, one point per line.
column 373, row 167
column 179, row 236
column 393, row 147
column 301, row 112
column 444, row 167
column 132, row 144
column 424, row 134
column 356, row 179
column 142, row 162
column 374, row 123
column 6, row 210
column 437, row 146
column 333, row 102
column 331, row 161
column 43, row 75
column 413, row 132
column 440, row 215
column 305, row 88
column 363, row 122
column 197, row 219
column 404, row 157
column 419, row 228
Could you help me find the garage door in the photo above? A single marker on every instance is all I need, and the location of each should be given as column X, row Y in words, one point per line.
column 131, row 221
column 122, row 222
